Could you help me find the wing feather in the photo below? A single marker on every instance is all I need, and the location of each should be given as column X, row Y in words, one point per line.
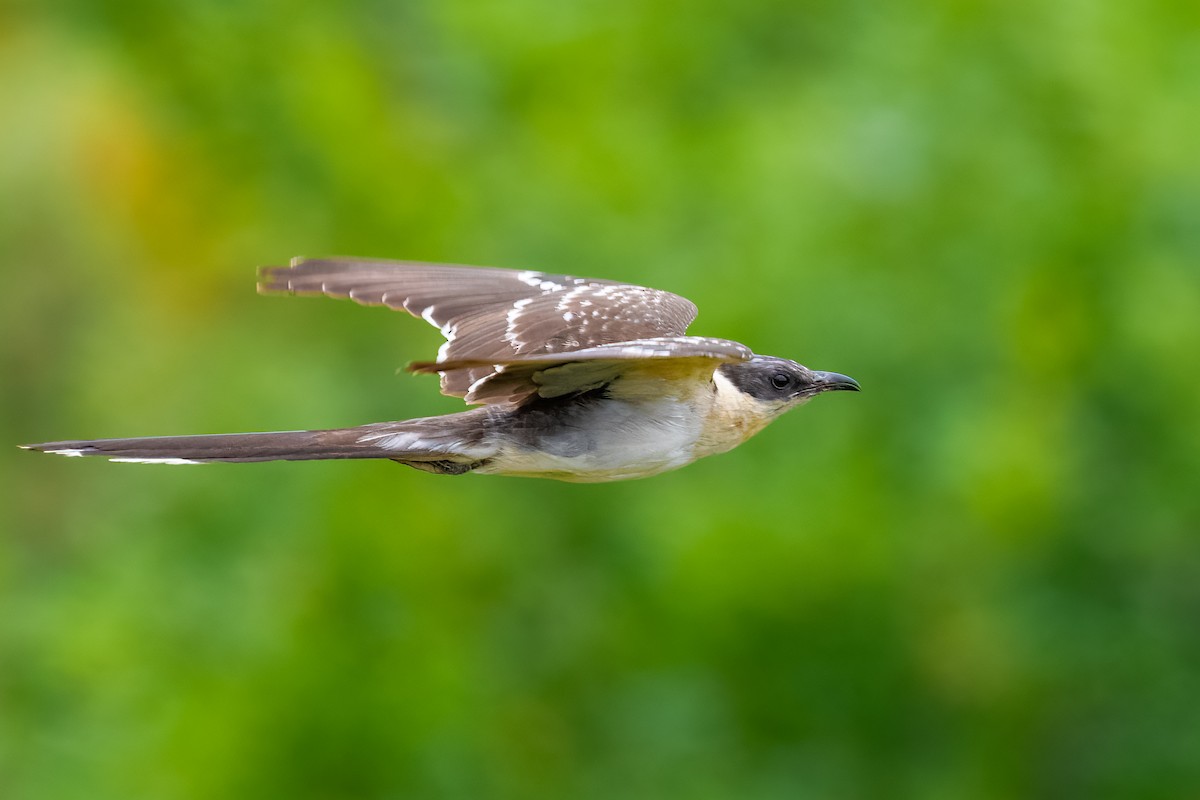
column 495, row 316
column 557, row 374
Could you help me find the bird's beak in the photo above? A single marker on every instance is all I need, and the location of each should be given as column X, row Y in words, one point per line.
column 834, row 382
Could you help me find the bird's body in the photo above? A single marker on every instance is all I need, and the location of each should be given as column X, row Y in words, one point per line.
column 580, row 380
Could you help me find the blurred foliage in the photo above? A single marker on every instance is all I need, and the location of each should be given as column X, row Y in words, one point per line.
column 980, row 578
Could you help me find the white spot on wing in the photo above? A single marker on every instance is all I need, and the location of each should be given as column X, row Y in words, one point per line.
column 514, row 314
column 449, row 330
column 155, row 461
column 69, row 452
column 481, row 381
column 570, row 296
column 538, row 280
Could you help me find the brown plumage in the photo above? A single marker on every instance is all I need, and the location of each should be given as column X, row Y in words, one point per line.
column 580, row 379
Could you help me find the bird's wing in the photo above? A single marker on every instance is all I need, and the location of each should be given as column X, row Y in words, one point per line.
column 492, row 316
column 558, row 374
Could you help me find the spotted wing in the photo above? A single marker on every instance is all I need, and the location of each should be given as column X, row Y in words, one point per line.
column 558, row 374
column 491, row 316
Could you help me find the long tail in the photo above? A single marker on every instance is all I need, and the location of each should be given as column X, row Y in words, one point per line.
column 437, row 444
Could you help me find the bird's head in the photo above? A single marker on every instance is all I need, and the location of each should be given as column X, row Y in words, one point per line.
column 775, row 385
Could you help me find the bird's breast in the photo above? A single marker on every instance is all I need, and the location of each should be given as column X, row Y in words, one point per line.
column 599, row 439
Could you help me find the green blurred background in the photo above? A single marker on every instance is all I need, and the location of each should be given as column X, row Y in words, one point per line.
column 980, row 578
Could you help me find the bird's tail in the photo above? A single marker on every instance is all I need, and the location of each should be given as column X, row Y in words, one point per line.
column 434, row 441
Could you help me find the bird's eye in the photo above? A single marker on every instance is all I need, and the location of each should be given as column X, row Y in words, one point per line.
column 781, row 380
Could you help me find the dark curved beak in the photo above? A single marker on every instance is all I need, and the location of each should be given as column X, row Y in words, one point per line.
column 835, row 382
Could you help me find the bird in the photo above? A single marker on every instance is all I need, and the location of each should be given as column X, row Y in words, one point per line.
column 575, row 379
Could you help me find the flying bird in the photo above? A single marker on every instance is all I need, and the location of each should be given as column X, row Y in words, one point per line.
column 576, row 379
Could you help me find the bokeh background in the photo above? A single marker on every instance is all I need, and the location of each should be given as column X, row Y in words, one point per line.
column 980, row 578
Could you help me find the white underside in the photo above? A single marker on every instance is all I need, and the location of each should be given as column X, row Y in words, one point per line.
column 646, row 433
column 634, row 440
